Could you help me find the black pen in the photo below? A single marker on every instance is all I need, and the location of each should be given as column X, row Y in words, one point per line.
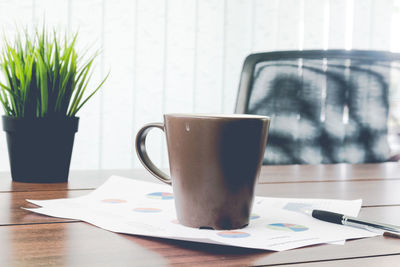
column 327, row 216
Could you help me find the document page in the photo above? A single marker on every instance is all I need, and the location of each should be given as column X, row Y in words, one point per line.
column 135, row 207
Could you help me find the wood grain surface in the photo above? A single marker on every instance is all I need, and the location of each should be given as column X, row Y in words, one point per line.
column 28, row 239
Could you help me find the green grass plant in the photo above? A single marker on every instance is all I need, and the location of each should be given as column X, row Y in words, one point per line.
column 44, row 76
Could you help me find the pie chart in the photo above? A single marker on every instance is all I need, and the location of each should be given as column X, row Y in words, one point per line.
column 160, row 195
column 288, row 227
column 233, row 234
column 254, row 216
column 147, row 210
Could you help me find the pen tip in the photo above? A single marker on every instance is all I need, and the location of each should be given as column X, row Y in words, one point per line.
column 307, row 211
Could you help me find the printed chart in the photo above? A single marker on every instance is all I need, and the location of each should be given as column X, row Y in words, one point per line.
column 288, row 227
column 160, row 195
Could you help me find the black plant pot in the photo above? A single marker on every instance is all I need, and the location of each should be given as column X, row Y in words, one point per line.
column 40, row 149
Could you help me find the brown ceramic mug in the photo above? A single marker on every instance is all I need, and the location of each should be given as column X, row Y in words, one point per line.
column 214, row 163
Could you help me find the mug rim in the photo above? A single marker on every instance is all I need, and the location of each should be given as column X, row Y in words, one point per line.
column 217, row 116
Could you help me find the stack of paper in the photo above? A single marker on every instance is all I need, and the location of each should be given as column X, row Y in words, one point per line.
column 141, row 208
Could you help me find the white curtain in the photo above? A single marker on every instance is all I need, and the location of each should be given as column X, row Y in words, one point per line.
column 186, row 56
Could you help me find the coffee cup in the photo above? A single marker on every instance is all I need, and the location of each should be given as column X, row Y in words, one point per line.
column 214, row 162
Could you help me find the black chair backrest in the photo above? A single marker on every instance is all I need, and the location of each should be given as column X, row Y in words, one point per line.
column 326, row 106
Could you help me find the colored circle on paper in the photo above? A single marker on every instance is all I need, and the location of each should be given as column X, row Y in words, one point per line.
column 254, row 216
column 233, row 234
column 160, row 195
column 147, row 210
column 288, row 227
column 175, row 221
column 114, row 200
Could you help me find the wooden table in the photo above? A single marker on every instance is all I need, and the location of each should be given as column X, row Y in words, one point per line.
column 28, row 239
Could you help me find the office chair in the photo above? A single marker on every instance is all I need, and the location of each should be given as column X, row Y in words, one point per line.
column 326, row 106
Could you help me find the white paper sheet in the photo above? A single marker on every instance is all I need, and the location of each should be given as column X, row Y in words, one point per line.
column 141, row 208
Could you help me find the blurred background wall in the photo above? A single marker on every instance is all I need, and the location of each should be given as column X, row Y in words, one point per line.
column 186, row 56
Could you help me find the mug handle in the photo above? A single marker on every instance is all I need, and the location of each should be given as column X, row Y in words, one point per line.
column 142, row 153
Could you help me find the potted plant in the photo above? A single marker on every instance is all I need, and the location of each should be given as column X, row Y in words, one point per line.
column 43, row 86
